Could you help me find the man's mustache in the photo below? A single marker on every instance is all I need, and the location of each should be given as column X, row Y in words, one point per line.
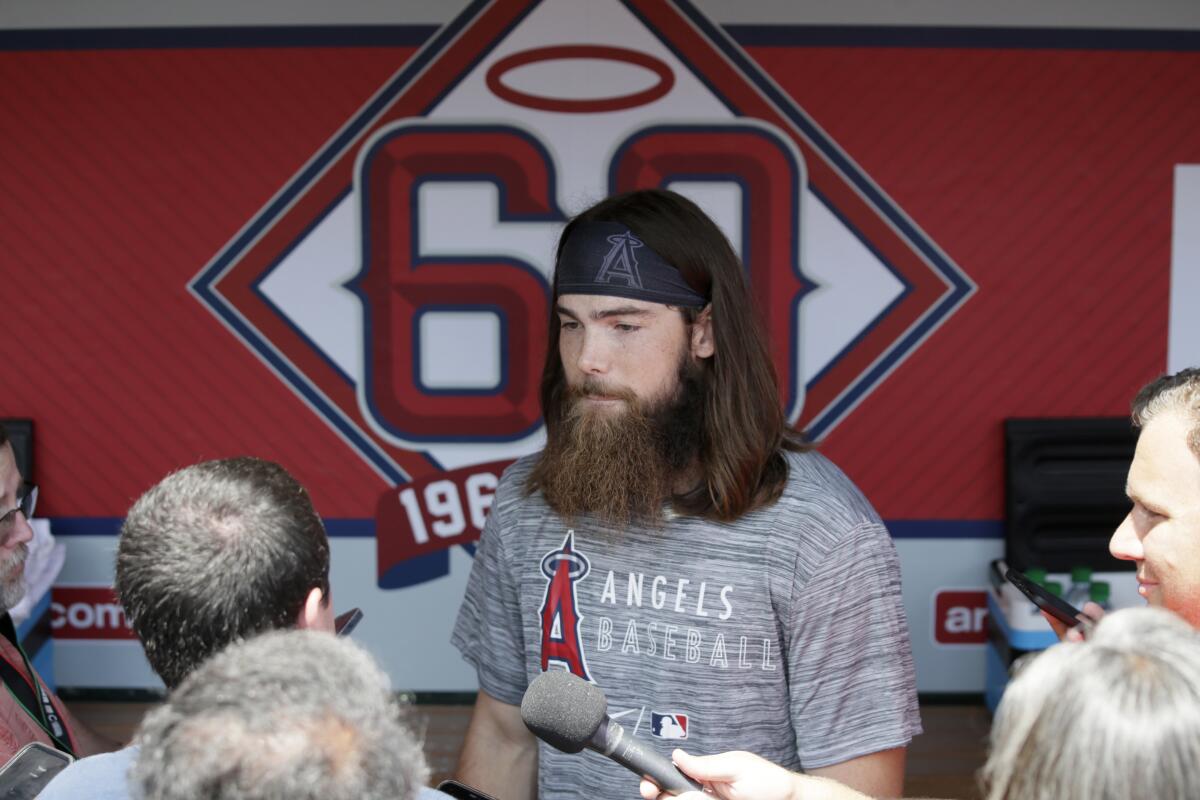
column 595, row 388
column 14, row 559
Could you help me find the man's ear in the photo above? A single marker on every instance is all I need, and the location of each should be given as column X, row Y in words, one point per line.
column 702, row 344
column 316, row 613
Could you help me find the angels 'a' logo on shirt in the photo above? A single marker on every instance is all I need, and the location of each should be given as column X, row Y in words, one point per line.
column 669, row 726
column 561, row 643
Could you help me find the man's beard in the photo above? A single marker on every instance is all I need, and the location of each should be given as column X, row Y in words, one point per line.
column 621, row 467
column 12, row 577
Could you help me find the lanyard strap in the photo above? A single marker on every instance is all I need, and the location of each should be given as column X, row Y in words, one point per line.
column 30, row 694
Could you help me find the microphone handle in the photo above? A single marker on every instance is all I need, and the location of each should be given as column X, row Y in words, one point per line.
column 612, row 740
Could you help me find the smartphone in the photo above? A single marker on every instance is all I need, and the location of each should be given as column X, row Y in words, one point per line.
column 1056, row 607
column 462, row 791
column 28, row 772
column 345, row 624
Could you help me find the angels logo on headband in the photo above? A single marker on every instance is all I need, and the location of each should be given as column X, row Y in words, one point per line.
column 642, row 276
column 621, row 263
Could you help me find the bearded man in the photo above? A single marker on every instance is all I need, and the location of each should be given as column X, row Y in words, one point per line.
column 675, row 542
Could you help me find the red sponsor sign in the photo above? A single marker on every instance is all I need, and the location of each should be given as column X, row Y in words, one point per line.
column 960, row 616
column 87, row 612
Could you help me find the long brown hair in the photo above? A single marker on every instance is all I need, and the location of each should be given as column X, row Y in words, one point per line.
column 744, row 434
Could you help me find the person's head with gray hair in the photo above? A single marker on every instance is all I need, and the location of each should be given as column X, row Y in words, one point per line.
column 216, row 552
column 301, row 715
column 1112, row 718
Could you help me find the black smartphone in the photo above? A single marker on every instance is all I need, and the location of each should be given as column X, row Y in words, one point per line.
column 1056, row 607
column 345, row 624
column 462, row 791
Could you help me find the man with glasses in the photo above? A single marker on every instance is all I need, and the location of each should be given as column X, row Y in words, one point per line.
column 29, row 712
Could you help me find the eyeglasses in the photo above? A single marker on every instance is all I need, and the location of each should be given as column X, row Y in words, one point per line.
column 26, row 503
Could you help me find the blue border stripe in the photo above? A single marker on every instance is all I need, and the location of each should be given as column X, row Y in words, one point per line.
column 945, row 528
column 336, row 527
column 86, row 526
column 350, row 528
column 913, row 36
column 347, row 528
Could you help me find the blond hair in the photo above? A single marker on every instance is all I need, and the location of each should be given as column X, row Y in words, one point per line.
column 1114, row 718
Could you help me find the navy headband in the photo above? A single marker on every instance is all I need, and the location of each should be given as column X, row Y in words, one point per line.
column 608, row 258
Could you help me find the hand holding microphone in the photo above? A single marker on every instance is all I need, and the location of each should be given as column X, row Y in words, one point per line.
column 569, row 714
column 738, row 775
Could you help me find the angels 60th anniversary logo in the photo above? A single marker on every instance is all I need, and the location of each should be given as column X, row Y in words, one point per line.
column 399, row 283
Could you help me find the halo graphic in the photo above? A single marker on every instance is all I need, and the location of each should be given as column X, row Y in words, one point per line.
column 495, row 78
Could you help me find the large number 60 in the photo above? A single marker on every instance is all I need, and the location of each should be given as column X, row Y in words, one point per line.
column 396, row 283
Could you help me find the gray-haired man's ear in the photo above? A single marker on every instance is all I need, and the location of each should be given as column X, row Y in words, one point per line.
column 317, row 612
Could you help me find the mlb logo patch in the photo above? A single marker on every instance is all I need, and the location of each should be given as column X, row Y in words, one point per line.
column 669, row 726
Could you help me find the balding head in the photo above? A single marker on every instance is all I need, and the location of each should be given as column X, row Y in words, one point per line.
column 215, row 552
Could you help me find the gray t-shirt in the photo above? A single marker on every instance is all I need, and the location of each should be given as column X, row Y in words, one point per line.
column 782, row 633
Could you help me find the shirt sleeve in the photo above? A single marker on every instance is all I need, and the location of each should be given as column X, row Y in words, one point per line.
column 852, row 686
column 489, row 631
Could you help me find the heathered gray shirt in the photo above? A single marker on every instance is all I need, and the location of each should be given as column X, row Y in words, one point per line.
column 782, row 634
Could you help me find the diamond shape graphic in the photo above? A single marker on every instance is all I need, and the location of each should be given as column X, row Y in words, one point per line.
column 850, row 289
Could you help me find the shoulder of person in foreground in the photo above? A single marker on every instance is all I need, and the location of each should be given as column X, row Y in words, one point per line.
column 99, row 777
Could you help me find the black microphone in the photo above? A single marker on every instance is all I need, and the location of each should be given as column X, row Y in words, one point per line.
column 569, row 714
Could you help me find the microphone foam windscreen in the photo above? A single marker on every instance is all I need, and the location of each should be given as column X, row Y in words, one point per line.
column 563, row 710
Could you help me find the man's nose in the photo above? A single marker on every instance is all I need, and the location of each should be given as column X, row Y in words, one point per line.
column 21, row 532
column 1125, row 543
column 593, row 355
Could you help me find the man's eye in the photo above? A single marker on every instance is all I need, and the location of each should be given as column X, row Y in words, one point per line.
column 625, row 327
column 568, row 324
column 1145, row 511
